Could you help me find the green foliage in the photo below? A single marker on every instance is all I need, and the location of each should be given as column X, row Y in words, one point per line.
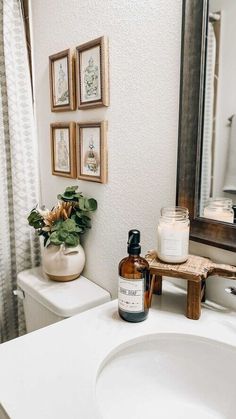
column 70, row 194
column 67, row 230
column 35, row 219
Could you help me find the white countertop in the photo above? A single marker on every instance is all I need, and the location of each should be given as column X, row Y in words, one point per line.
column 51, row 373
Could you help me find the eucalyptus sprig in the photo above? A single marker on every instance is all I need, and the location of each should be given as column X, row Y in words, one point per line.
column 66, row 221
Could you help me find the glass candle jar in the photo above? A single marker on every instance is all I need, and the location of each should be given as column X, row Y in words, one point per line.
column 173, row 235
column 219, row 209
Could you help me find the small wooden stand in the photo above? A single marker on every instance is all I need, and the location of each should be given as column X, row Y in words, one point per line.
column 195, row 270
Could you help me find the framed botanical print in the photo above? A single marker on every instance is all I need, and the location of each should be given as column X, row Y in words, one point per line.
column 63, row 149
column 92, row 79
column 92, row 151
column 62, row 84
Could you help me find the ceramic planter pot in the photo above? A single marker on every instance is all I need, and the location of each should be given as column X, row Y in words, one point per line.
column 62, row 263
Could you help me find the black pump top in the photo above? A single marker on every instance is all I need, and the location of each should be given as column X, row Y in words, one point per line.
column 134, row 247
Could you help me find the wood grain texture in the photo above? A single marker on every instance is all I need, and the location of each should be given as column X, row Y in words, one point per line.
column 103, row 155
column 193, row 56
column 102, row 43
column 193, row 311
column 68, row 54
column 72, row 149
column 195, row 271
column 158, row 285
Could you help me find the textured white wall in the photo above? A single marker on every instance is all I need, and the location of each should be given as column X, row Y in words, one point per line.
column 144, row 39
column 144, row 54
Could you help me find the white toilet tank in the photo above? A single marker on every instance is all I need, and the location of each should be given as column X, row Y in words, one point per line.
column 46, row 302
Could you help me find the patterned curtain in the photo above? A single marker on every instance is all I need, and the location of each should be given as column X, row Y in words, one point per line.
column 19, row 184
column 208, row 119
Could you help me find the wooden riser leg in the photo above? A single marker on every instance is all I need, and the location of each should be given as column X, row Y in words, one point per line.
column 155, row 287
column 158, row 285
column 194, row 300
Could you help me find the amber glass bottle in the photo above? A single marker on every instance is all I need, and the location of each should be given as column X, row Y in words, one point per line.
column 133, row 282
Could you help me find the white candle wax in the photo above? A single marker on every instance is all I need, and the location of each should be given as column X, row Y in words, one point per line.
column 219, row 215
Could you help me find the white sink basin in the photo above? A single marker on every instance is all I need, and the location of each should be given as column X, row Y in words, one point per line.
column 167, row 376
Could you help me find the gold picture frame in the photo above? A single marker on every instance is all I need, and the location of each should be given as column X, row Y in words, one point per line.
column 62, row 81
column 63, row 149
column 92, row 74
column 92, row 162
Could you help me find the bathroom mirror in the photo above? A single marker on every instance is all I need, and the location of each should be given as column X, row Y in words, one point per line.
column 206, row 176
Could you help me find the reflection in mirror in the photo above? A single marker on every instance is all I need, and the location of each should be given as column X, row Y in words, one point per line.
column 218, row 165
column 197, row 179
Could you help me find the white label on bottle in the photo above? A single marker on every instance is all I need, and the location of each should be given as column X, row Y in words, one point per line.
column 131, row 295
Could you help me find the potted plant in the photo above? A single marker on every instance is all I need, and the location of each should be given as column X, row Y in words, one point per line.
column 63, row 257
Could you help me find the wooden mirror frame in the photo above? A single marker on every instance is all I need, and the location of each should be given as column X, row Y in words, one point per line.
column 193, row 58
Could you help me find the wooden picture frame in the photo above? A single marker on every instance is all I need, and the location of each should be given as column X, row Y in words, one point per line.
column 92, row 74
column 92, row 151
column 63, row 149
column 62, row 82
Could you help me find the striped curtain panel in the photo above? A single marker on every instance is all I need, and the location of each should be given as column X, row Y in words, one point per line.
column 208, row 119
column 19, row 183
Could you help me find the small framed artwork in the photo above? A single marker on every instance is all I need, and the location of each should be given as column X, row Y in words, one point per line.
column 92, row 151
column 63, row 149
column 92, row 74
column 62, row 84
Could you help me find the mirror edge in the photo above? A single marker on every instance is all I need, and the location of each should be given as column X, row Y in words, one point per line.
column 191, row 105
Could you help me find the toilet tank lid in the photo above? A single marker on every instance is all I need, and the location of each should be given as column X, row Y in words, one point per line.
column 64, row 299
